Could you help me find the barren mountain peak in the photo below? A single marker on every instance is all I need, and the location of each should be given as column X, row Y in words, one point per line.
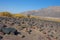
column 53, row 11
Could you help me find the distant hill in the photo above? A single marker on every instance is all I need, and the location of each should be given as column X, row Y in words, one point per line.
column 46, row 12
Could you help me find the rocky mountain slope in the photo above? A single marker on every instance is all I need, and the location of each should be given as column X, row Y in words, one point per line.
column 26, row 28
column 46, row 12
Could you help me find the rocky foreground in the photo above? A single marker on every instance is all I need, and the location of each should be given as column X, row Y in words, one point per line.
column 28, row 29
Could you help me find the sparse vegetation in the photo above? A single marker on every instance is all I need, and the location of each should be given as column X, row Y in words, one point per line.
column 5, row 14
column 28, row 26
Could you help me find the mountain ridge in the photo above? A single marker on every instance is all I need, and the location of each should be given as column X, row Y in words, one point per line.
column 46, row 12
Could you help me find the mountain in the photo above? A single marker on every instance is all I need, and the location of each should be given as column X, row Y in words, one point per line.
column 46, row 12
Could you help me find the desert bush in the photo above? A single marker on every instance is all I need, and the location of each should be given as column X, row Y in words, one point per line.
column 23, row 36
column 18, row 15
column 5, row 14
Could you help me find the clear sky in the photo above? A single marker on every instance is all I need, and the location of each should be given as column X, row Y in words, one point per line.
column 17, row 6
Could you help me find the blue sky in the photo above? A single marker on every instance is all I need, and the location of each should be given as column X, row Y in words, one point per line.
column 17, row 6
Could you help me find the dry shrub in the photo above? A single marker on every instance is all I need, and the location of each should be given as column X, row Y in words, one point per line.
column 19, row 15
column 5, row 14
